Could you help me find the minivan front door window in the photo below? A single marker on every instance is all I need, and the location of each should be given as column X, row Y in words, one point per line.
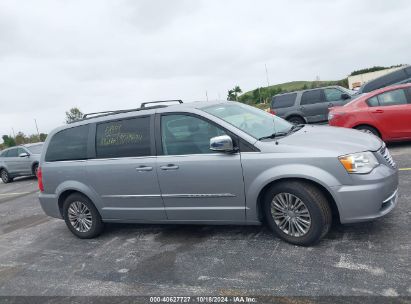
column 184, row 134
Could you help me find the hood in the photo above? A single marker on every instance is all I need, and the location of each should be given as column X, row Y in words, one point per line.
column 332, row 139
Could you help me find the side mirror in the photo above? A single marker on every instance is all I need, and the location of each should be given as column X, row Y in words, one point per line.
column 222, row 143
column 24, row 154
column 345, row 96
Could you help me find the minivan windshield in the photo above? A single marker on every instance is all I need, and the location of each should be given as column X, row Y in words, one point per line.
column 255, row 122
column 35, row 149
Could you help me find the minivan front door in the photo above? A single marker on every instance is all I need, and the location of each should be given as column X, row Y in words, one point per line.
column 24, row 162
column 197, row 184
column 123, row 172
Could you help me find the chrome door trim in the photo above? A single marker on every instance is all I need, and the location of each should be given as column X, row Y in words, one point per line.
column 189, row 195
column 132, row 195
column 199, row 195
column 174, row 208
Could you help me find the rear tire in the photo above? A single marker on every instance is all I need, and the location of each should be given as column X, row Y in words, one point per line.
column 369, row 130
column 35, row 169
column 296, row 120
column 5, row 177
column 82, row 217
column 305, row 219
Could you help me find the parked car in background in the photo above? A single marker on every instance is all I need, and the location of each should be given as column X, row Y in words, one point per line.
column 400, row 76
column 385, row 113
column 20, row 161
column 309, row 106
column 213, row 163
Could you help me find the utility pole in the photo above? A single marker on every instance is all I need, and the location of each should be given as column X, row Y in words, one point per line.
column 266, row 74
column 14, row 134
column 37, row 128
column 207, row 95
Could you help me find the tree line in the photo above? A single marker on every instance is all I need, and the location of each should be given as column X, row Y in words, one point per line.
column 263, row 95
column 21, row 139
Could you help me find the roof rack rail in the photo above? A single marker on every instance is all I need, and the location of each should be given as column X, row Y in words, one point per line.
column 143, row 105
column 95, row 113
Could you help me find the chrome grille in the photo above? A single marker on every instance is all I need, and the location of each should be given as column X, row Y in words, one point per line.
column 387, row 156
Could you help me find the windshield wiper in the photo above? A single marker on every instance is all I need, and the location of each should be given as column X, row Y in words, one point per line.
column 295, row 128
column 274, row 135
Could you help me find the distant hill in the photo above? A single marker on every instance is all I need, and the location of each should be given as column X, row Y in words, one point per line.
column 265, row 93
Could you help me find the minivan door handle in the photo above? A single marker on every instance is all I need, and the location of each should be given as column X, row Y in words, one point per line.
column 169, row 167
column 144, row 168
column 378, row 111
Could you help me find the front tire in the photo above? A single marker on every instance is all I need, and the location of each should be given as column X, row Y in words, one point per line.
column 5, row 176
column 82, row 217
column 369, row 130
column 297, row 212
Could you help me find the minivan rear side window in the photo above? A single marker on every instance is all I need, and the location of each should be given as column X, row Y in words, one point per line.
column 311, row 97
column 124, row 138
column 283, row 101
column 68, row 144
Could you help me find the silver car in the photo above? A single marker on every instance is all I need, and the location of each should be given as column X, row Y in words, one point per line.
column 213, row 163
column 20, row 161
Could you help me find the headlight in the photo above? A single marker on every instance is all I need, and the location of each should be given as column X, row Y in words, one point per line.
column 359, row 163
column 330, row 116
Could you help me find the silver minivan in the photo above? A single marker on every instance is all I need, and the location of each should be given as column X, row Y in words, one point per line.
column 213, row 163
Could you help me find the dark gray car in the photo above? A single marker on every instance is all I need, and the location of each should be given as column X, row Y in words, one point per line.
column 214, row 163
column 400, row 76
column 309, row 106
column 20, row 161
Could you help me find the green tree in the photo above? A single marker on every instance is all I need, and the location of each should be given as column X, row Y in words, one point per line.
column 73, row 114
column 256, row 96
column 233, row 93
column 8, row 141
column 21, row 138
column 33, row 138
column 43, row 136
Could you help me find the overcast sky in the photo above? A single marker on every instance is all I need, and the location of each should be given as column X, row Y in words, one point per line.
column 100, row 55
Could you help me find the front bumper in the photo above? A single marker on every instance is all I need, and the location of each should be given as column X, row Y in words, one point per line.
column 371, row 196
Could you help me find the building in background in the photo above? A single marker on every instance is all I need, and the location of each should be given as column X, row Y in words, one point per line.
column 357, row 81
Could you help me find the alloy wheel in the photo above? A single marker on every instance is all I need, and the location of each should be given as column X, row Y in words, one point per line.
column 80, row 216
column 290, row 214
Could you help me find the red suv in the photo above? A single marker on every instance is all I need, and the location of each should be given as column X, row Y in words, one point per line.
column 385, row 112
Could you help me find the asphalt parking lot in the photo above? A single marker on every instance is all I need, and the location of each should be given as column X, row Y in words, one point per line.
column 39, row 256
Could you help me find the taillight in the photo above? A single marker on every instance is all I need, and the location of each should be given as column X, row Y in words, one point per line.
column 272, row 112
column 40, row 179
